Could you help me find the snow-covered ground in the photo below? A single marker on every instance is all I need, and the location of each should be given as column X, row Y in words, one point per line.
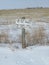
column 14, row 32
column 14, row 54
column 35, row 55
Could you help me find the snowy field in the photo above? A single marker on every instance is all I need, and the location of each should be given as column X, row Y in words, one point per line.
column 34, row 55
column 15, row 31
column 14, row 54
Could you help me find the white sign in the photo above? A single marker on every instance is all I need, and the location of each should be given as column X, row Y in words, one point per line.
column 23, row 23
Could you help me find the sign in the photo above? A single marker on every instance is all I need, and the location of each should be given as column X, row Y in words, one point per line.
column 23, row 23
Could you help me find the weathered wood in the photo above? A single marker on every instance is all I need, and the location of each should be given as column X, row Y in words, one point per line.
column 23, row 38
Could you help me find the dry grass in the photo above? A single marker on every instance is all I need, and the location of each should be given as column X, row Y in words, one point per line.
column 4, row 37
column 35, row 13
column 38, row 37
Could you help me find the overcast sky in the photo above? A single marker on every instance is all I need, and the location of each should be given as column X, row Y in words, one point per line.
column 16, row 4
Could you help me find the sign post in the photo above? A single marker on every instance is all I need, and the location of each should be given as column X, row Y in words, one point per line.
column 23, row 38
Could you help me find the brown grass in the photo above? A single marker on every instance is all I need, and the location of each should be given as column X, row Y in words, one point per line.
column 4, row 37
column 38, row 37
column 35, row 13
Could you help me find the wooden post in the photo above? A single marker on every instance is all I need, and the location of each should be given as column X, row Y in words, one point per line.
column 23, row 38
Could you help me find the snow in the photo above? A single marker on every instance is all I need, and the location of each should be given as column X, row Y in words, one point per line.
column 34, row 55
column 14, row 31
column 15, row 55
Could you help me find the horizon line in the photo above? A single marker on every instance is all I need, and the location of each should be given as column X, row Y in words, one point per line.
column 24, row 8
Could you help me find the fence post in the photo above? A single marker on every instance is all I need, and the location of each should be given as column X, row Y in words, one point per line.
column 23, row 38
